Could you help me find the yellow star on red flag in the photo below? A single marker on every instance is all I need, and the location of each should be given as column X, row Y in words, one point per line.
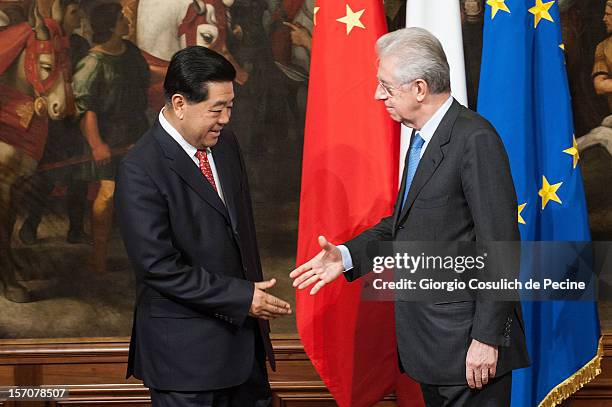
column 497, row 5
column 573, row 151
column 548, row 192
column 351, row 19
column 540, row 11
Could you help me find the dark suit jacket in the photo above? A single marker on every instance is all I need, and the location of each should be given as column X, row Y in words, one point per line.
column 195, row 261
column 462, row 191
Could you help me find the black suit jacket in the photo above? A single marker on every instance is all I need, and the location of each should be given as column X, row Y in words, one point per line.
column 462, row 191
column 195, row 261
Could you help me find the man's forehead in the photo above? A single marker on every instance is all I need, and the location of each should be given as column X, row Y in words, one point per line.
column 385, row 66
column 220, row 93
column 222, row 102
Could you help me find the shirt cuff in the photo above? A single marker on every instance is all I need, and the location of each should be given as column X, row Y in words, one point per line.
column 347, row 260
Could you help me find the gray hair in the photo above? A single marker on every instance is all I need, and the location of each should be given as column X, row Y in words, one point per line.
column 609, row 3
column 418, row 55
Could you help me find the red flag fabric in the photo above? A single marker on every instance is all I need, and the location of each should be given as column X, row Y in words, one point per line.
column 349, row 182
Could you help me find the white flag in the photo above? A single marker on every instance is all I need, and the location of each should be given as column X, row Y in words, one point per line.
column 443, row 19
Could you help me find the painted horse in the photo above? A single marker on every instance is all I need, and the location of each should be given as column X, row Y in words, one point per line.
column 34, row 87
column 164, row 27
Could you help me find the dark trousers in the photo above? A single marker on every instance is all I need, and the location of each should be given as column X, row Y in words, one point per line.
column 494, row 394
column 255, row 392
column 42, row 187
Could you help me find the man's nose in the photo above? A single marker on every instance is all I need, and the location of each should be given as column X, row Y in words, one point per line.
column 379, row 93
column 225, row 116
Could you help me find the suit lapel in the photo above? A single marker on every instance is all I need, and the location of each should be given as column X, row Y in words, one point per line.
column 185, row 168
column 431, row 159
column 227, row 178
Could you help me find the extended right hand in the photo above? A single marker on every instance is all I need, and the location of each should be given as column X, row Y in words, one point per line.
column 101, row 154
column 266, row 306
column 324, row 268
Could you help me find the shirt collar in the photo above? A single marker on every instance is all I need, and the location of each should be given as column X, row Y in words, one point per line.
column 428, row 130
column 189, row 149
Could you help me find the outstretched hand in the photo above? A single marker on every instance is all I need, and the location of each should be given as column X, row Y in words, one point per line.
column 324, row 268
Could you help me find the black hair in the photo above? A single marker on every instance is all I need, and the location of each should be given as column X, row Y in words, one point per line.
column 191, row 69
column 103, row 19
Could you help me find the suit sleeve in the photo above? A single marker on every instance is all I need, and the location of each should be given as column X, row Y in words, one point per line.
column 144, row 221
column 358, row 246
column 489, row 190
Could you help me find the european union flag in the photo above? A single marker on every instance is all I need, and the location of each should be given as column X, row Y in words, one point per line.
column 524, row 93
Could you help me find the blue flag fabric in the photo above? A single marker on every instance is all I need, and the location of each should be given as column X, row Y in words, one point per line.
column 524, row 93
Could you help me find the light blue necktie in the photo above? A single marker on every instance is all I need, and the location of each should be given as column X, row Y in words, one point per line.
column 414, row 156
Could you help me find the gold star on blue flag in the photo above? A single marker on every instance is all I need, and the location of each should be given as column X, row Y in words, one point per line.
column 497, row 5
column 541, row 11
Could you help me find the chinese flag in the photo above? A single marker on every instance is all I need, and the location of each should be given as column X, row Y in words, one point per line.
column 349, row 182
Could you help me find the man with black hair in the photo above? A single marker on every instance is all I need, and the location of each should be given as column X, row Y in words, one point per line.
column 201, row 332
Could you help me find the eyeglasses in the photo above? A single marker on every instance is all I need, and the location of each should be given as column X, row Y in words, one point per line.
column 390, row 91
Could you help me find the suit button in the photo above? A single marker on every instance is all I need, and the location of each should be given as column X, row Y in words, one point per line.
column 400, row 227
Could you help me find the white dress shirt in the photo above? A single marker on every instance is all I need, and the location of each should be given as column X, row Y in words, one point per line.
column 191, row 151
column 428, row 130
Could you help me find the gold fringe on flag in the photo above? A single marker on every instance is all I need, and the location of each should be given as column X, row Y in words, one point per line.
column 576, row 381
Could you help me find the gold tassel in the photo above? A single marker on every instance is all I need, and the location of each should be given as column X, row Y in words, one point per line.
column 576, row 381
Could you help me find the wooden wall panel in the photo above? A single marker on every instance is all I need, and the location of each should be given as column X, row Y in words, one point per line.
column 94, row 371
column 7, row 375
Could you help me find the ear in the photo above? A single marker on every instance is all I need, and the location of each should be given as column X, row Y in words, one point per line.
column 178, row 104
column 38, row 23
column 200, row 6
column 421, row 89
column 32, row 14
column 56, row 12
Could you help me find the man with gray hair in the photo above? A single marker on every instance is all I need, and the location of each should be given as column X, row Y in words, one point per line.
column 456, row 186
